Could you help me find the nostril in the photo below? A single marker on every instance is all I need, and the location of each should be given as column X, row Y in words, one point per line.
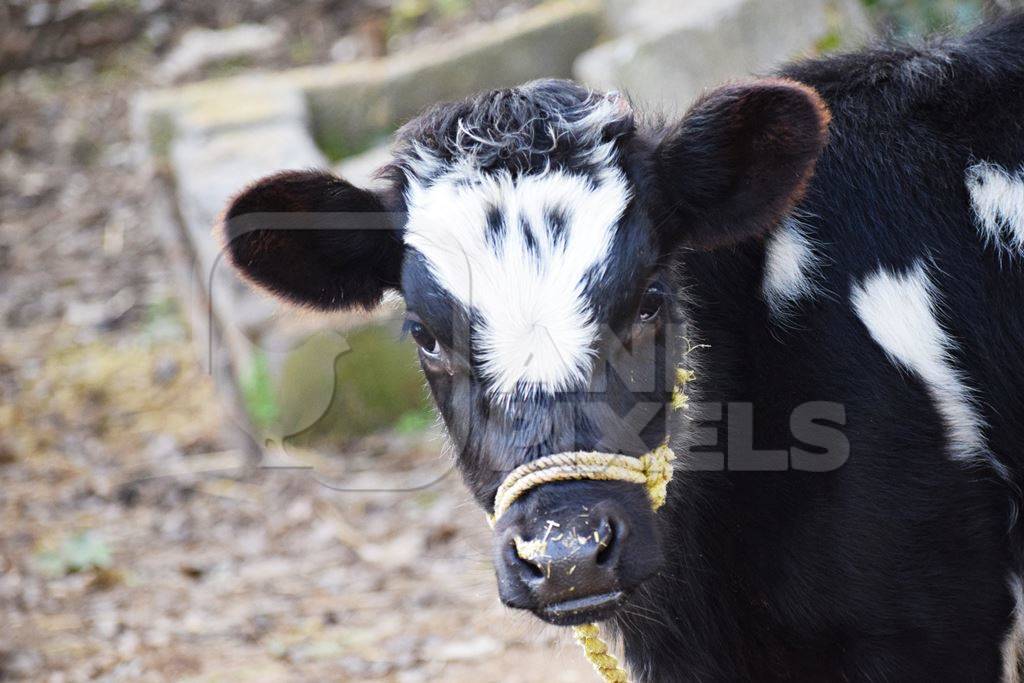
column 514, row 559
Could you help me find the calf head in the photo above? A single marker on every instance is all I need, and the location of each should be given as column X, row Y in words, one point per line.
column 533, row 233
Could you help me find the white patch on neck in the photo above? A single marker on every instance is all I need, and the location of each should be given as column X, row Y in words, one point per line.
column 997, row 197
column 791, row 266
column 1013, row 645
column 899, row 311
column 536, row 329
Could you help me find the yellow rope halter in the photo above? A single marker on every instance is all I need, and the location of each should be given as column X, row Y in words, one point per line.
column 653, row 470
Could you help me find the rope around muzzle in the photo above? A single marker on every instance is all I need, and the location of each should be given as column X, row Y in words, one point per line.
column 653, row 470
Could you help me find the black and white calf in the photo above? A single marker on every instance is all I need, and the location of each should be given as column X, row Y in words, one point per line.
column 838, row 252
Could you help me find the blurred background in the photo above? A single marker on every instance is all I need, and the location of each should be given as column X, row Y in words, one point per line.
column 195, row 483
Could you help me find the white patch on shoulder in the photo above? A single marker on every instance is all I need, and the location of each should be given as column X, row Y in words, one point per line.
column 536, row 329
column 791, row 268
column 997, row 197
column 1013, row 645
column 899, row 310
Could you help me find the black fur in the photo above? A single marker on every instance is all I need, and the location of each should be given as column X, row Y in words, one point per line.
column 895, row 566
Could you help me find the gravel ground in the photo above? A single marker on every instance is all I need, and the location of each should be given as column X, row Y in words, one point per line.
column 133, row 545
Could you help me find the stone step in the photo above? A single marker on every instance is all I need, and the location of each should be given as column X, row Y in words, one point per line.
column 664, row 59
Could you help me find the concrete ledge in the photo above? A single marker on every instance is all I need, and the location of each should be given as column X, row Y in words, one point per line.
column 355, row 107
column 361, row 99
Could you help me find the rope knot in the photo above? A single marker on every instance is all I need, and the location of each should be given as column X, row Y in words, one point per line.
column 657, row 467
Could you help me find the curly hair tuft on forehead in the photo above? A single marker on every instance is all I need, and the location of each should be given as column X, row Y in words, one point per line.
column 536, row 127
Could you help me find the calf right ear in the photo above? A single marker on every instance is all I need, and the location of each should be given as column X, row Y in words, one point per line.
column 739, row 161
column 314, row 239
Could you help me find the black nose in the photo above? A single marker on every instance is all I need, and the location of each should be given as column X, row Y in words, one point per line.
column 569, row 567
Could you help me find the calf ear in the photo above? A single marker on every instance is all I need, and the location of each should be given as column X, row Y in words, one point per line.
column 314, row 239
column 739, row 160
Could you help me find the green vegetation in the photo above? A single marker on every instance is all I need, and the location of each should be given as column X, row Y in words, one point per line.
column 406, row 15
column 231, row 66
column 259, row 394
column 452, row 9
column 905, row 18
column 101, row 6
column 161, row 135
column 377, row 386
column 415, row 421
column 337, row 146
column 80, row 553
column 302, row 51
column 163, row 320
column 830, row 42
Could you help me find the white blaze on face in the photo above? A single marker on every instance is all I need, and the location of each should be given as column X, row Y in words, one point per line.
column 535, row 329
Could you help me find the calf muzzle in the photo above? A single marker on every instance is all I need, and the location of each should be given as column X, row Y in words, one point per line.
column 571, row 561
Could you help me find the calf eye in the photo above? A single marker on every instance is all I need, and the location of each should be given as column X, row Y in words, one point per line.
column 427, row 342
column 651, row 303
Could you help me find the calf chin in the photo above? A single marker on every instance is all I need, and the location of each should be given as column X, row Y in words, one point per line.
column 572, row 552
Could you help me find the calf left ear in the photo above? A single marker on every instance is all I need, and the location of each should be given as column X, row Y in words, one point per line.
column 314, row 239
column 738, row 161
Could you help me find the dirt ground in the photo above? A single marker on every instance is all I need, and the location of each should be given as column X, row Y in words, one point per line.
column 133, row 544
